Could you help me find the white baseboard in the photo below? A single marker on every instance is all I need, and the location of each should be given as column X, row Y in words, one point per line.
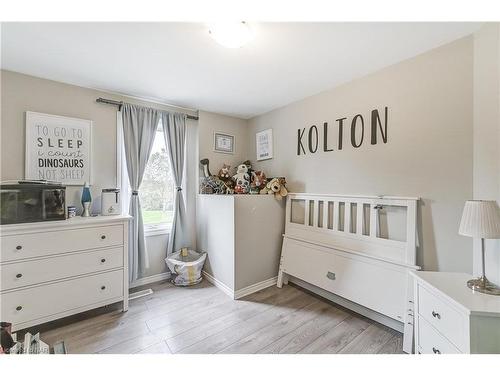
column 362, row 310
column 255, row 287
column 219, row 284
column 140, row 294
column 237, row 294
column 150, row 279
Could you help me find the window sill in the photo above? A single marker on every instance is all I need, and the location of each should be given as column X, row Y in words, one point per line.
column 154, row 230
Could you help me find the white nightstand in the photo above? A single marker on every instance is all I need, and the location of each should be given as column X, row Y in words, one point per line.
column 451, row 318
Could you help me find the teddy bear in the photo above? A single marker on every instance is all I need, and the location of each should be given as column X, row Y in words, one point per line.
column 225, row 177
column 224, row 172
column 277, row 187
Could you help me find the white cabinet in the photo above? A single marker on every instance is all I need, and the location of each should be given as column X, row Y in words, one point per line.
column 49, row 270
column 242, row 235
column 451, row 318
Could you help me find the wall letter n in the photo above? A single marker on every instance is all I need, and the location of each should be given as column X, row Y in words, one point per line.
column 376, row 121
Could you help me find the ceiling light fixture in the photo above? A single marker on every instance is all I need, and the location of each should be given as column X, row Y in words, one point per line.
column 231, row 34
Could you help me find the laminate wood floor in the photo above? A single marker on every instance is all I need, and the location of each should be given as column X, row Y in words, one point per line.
column 201, row 319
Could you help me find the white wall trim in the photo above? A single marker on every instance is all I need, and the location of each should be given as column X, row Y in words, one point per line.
column 255, row 287
column 150, row 279
column 362, row 310
column 219, row 284
column 240, row 293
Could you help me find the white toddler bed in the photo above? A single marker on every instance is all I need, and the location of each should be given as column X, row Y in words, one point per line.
column 333, row 242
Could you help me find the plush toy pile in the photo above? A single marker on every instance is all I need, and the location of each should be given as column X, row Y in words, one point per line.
column 244, row 181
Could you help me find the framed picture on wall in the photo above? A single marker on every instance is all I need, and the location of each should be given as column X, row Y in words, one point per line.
column 58, row 149
column 264, row 144
column 223, row 143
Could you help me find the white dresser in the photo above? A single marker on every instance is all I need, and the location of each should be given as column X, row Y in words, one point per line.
column 50, row 270
column 451, row 318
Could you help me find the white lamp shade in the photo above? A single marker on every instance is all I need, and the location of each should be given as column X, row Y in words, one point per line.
column 480, row 219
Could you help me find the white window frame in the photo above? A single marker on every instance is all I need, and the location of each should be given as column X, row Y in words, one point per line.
column 124, row 186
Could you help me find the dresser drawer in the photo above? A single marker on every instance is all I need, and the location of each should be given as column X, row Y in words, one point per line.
column 442, row 316
column 27, row 305
column 431, row 341
column 35, row 271
column 31, row 245
column 366, row 282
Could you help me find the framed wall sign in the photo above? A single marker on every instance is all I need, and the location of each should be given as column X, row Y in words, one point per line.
column 223, row 143
column 58, row 149
column 264, row 144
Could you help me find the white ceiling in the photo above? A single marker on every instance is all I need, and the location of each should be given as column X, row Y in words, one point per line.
column 178, row 63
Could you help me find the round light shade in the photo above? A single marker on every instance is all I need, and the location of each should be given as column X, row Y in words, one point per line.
column 231, row 34
column 480, row 219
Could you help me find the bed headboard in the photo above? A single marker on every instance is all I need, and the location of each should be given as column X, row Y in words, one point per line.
column 350, row 223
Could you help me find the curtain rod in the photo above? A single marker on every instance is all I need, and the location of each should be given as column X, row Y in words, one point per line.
column 119, row 104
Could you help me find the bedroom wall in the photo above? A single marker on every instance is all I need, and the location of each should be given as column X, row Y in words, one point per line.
column 20, row 93
column 487, row 136
column 428, row 153
column 212, row 122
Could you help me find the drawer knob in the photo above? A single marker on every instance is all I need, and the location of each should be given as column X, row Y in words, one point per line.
column 103, row 237
column 331, row 275
column 436, row 315
column 436, row 351
column 19, row 247
column 103, row 260
column 19, row 275
column 19, row 308
column 103, row 287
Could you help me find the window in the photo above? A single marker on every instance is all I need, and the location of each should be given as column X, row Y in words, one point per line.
column 157, row 187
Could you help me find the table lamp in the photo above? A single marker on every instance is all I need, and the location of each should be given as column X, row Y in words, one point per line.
column 481, row 219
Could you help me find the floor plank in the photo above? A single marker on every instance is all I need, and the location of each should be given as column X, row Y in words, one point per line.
column 133, row 344
column 333, row 340
column 202, row 319
column 234, row 333
column 393, row 346
column 295, row 341
column 370, row 341
column 159, row 348
column 240, row 311
column 254, row 342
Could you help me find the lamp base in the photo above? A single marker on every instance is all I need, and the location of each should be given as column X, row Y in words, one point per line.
column 483, row 285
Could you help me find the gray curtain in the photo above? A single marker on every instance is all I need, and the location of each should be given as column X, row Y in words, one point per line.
column 139, row 129
column 174, row 131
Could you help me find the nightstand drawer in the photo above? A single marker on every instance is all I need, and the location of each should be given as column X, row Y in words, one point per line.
column 444, row 318
column 431, row 341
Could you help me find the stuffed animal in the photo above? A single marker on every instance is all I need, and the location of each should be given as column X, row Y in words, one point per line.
column 225, row 176
column 210, row 184
column 242, row 186
column 277, row 187
column 242, row 174
column 224, row 172
column 248, row 163
column 229, row 187
column 258, row 182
